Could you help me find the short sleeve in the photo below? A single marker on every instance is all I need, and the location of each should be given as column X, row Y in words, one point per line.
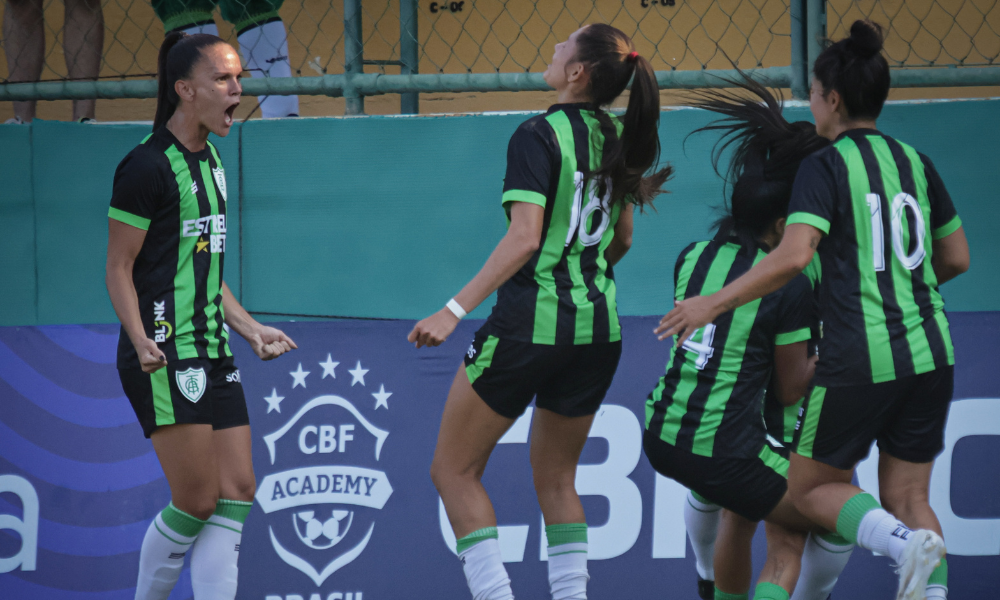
column 944, row 218
column 136, row 193
column 531, row 156
column 797, row 312
column 814, row 194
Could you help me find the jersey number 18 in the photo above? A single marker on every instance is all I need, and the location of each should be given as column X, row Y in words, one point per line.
column 599, row 208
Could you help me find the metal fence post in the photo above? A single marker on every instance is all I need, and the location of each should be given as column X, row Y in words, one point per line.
column 800, row 70
column 815, row 31
column 409, row 53
column 353, row 57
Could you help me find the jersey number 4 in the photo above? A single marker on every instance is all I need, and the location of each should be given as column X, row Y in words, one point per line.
column 704, row 348
column 900, row 203
column 599, row 208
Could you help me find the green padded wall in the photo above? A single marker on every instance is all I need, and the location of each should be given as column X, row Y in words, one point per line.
column 389, row 216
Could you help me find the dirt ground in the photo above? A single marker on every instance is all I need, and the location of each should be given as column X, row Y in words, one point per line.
column 519, row 35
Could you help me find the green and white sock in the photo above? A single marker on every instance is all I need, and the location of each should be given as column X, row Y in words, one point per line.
column 484, row 571
column 167, row 540
column 823, row 560
column 863, row 521
column 215, row 554
column 701, row 519
column 568, row 574
column 769, row 591
column 719, row 595
column 937, row 584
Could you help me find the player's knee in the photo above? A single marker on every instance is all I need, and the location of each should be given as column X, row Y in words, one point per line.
column 200, row 507
column 446, row 475
column 554, row 483
column 243, row 490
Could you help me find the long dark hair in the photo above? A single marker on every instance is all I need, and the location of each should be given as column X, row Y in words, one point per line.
column 766, row 153
column 855, row 67
column 178, row 54
column 611, row 60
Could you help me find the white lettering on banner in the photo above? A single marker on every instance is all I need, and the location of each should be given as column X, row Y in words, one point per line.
column 620, row 427
column 315, row 596
column 329, row 484
column 26, row 527
column 669, row 533
column 326, row 438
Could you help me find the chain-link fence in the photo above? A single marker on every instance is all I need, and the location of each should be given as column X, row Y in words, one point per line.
column 350, row 38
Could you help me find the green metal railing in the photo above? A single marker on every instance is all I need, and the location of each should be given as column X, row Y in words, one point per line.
column 808, row 30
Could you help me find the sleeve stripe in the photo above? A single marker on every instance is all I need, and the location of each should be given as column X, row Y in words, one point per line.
column 128, row 218
column 947, row 229
column 791, row 337
column 524, row 196
column 809, row 219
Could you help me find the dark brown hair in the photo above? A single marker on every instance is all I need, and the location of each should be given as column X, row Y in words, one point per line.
column 855, row 67
column 178, row 55
column 610, row 59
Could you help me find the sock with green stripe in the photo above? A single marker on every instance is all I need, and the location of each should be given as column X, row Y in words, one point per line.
column 937, row 584
column 769, row 591
column 823, row 560
column 484, row 571
column 701, row 519
column 568, row 574
column 217, row 550
column 863, row 521
column 720, row 595
column 169, row 537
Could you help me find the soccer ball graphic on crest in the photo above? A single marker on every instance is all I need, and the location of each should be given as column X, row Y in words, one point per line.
column 321, row 535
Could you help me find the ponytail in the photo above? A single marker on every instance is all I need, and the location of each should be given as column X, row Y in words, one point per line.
column 178, row 54
column 611, row 61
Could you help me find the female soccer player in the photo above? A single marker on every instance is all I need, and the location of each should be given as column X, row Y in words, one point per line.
column 166, row 242
column 573, row 176
column 704, row 426
column 887, row 235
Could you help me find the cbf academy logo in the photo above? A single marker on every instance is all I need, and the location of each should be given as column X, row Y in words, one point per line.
column 327, row 491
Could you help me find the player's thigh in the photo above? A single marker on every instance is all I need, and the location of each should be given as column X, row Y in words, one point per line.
column 187, row 456
column 556, row 444
column 470, row 429
column 232, row 450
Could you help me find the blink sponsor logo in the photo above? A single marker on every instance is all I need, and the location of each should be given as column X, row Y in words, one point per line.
column 326, row 490
column 162, row 330
column 26, row 526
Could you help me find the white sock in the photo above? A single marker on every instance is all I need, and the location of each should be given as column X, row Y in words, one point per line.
column 702, row 522
column 884, row 534
column 823, row 561
column 484, row 571
column 169, row 537
column 215, row 554
column 265, row 50
column 209, row 28
column 568, row 574
column 937, row 592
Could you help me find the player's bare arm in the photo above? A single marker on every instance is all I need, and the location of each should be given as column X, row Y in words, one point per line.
column 514, row 250
column 622, row 242
column 950, row 256
column 791, row 256
column 267, row 342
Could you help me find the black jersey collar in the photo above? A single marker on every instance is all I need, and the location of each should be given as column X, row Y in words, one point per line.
column 860, row 132
column 172, row 140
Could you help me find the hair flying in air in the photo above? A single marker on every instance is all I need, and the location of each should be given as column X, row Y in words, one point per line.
column 766, row 153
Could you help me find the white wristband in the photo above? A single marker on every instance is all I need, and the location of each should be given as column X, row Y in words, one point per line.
column 456, row 309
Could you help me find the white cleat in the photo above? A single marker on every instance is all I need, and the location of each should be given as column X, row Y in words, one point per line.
column 923, row 553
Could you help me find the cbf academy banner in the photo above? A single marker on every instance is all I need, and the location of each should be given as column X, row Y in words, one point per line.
column 344, row 429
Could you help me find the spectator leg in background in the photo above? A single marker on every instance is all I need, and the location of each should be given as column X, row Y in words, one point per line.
column 264, row 46
column 24, row 45
column 83, row 44
column 189, row 16
column 208, row 27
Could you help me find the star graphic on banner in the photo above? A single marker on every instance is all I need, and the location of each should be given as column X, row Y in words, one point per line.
column 358, row 374
column 299, row 376
column 274, row 401
column 328, row 367
column 381, row 397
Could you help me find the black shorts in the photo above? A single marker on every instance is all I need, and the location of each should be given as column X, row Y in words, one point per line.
column 749, row 487
column 906, row 416
column 193, row 390
column 568, row 380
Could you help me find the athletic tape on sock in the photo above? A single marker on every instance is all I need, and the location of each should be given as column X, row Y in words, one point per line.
column 853, row 511
column 479, row 535
column 769, row 591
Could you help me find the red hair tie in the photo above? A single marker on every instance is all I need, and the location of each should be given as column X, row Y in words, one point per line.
column 632, row 56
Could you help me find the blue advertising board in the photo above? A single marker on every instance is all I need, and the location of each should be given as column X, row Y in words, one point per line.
column 344, row 429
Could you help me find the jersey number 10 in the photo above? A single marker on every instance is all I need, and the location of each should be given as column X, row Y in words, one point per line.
column 599, row 208
column 900, row 203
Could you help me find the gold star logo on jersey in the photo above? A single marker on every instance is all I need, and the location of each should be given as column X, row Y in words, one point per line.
column 202, row 245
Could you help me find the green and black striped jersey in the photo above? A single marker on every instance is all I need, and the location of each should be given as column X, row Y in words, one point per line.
column 710, row 400
column 179, row 198
column 565, row 294
column 880, row 204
